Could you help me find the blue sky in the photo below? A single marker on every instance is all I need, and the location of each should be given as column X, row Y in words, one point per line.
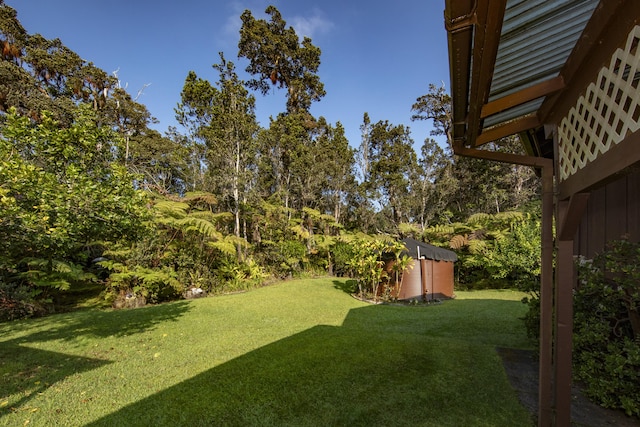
column 377, row 56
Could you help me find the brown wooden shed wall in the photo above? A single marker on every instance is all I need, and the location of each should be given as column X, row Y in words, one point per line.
column 442, row 279
column 613, row 211
column 427, row 277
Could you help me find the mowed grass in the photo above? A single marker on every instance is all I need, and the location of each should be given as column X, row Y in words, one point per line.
column 299, row 353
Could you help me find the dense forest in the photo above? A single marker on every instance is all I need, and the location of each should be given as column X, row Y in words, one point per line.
column 92, row 196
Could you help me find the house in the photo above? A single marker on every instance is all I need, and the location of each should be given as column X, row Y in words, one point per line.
column 563, row 75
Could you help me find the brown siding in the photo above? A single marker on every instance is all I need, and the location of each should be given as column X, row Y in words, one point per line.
column 633, row 206
column 411, row 282
column 442, row 282
column 436, row 276
column 613, row 212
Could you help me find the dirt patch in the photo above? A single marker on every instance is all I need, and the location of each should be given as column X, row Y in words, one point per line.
column 521, row 367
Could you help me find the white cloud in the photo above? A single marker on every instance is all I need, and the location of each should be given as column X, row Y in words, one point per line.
column 311, row 26
column 229, row 32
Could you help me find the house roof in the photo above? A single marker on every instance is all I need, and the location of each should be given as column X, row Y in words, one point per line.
column 417, row 249
column 514, row 63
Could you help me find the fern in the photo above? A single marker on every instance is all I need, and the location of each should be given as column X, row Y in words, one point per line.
column 479, row 234
column 119, row 253
column 458, row 241
column 409, row 229
column 497, row 234
column 211, row 216
column 200, row 196
column 172, row 208
column 155, row 284
column 477, row 247
column 509, row 217
column 329, row 219
column 312, row 213
column 481, row 219
column 201, row 226
column 440, row 229
column 228, row 244
column 300, row 231
column 324, row 241
column 54, row 274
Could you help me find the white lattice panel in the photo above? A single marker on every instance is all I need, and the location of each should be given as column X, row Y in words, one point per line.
column 606, row 114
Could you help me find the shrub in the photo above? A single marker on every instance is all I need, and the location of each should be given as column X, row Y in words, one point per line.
column 18, row 302
column 234, row 276
column 342, row 254
column 141, row 284
column 607, row 327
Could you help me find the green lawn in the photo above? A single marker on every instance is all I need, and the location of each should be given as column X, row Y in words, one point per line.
column 299, row 353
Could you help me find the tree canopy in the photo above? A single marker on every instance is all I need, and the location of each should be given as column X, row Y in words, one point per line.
column 277, row 57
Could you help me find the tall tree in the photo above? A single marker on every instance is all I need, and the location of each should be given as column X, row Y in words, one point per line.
column 194, row 113
column 223, row 120
column 63, row 196
column 433, row 184
column 38, row 74
column 160, row 163
column 277, row 57
column 435, row 105
column 285, row 157
column 392, row 159
column 363, row 150
column 488, row 187
column 337, row 172
column 231, row 145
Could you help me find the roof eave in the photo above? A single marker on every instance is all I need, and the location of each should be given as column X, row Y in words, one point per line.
column 473, row 39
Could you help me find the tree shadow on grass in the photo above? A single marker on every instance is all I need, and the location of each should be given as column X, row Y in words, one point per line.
column 95, row 323
column 27, row 371
column 346, row 286
column 348, row 375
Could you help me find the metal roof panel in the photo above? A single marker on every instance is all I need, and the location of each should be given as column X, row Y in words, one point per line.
column 536, row 39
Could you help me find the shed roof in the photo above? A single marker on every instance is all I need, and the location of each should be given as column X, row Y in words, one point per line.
column 419, row 249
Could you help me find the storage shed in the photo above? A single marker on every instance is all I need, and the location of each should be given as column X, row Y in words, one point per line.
column 430, row 274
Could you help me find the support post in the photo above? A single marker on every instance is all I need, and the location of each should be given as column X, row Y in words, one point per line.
column 569, row 214
column 545, row 373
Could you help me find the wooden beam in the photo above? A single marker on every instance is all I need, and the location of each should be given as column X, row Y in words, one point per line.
column 569, row 216
column 569, row 219
column 521, row 124
column 620, row 159
column 516, row 159
column 563, row 332
column 490, row 16
column 545, row 369
column 525, row 95
column 460, row 41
